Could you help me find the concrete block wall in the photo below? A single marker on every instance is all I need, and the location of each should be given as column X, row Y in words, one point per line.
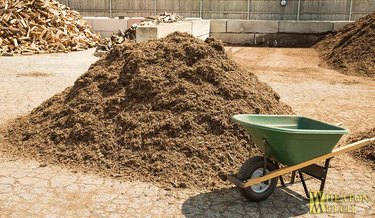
column 157, row 31
column 304, row 27
column 337, row 25
column 218, row 26
column 105, row 26
column 251, row 32
column 252, row 26
column 273, row 33
column 235, row 38
column 199, row 28
column 144, row 33
column 283, row 40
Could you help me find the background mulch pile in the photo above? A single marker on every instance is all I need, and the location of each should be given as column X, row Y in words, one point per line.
column 351, row 50
column 367, row 152
column 155, row 111
column 42, row 26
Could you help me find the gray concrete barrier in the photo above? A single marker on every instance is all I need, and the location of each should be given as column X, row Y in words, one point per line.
column 156, row 31
column 218, row 26
column 305, row 27
column 337, row 25
column 273, row 33
column 251, row 32
column 252, row 26
column 198, row 28
column 235, row 38
column 106, row 26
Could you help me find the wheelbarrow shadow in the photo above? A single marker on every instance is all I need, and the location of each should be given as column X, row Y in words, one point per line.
column 231, row 203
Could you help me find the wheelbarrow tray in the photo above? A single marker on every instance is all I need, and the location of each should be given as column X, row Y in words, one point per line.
column 291, row 139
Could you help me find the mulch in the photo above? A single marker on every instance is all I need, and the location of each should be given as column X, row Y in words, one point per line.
column 351, row 50
column 157, row 111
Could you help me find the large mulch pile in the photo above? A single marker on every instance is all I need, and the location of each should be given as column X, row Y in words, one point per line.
column 351, row 50
column 156, row 111
column 366, row 153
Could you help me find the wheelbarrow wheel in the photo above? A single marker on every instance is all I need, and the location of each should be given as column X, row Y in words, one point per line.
column 251, row 169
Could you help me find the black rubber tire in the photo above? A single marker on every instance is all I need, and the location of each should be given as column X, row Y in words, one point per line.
column 245, row 172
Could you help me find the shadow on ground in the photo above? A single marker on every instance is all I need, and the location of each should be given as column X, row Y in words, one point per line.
column 231, row 203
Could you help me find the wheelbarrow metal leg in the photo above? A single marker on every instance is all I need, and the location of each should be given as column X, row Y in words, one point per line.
column 282, row 181
column 293, row 177
column 316, row 172
column 280, row 177
column 304, row 183
column 323, row 181
column 265, row 159
column 265, row 156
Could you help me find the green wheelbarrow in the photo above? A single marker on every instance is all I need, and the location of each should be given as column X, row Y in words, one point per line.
column 296, row 142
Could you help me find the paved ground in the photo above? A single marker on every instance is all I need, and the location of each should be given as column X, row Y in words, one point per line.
column 27, row 81
column 29, row 188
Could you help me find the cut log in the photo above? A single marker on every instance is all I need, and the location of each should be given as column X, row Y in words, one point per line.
column 37, row 26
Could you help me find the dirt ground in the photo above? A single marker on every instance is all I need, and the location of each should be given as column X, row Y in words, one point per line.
column 310, row 88
column 29, row 188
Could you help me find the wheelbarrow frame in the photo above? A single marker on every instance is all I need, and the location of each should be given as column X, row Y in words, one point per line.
column 309, row 167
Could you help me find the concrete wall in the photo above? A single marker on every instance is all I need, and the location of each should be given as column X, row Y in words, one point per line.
column 228, row 9
column 106, row 26
column 250, row 32
column 151, row 32
column 198, row 28
column 273, row 33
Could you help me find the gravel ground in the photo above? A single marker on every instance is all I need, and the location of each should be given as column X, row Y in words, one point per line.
column 29, row 188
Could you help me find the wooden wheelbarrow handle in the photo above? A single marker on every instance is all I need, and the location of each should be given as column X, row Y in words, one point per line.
column 282, row 171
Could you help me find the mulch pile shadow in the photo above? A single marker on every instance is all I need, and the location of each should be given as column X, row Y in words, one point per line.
column 158, row 111
column 366, row 153
column 351, row 50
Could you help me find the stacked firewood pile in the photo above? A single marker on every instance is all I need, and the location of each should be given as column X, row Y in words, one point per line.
column 42, row 26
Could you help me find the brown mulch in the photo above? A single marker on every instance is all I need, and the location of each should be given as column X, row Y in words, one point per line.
column 351, row 50
column 157, row 111
column 366, row 153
